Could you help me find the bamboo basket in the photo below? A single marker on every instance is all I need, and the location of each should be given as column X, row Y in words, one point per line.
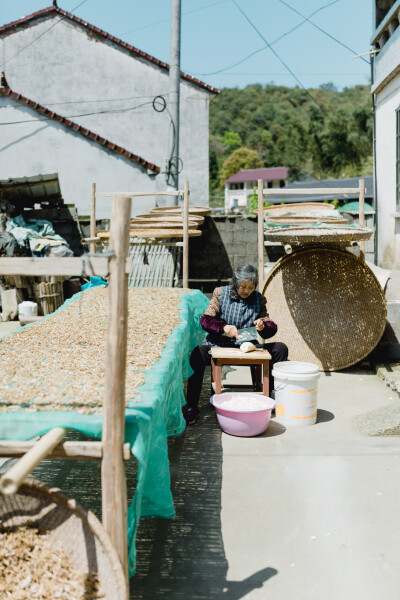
column 73, row 530
column 306, row 235
column 329, row 307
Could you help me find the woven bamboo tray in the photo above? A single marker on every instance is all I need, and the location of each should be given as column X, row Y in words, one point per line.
column 296, row 207
column 74, row 531
column 300, row 219
column 328, row 305
column 304, row 235
column 176, row 210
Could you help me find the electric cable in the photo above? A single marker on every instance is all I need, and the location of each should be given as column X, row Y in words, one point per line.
column 43, row 33
column 99, row 112
column 272, row 43
column 320, row 29
column 277, row 55
column 166, row 20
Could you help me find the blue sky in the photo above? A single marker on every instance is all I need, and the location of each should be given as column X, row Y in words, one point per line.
column 216, row 36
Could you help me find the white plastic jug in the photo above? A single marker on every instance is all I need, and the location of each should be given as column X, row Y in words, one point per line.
column 27, row 309
column 296, row 392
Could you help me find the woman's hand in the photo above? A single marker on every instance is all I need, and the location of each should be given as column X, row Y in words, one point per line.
column 259, row 323
column 231, row 331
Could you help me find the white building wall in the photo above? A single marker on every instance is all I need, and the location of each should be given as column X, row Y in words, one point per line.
column 77, row 160
column 388, row 226
column 71, row 72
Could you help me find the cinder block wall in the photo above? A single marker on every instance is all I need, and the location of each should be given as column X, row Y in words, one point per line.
column 226, row 243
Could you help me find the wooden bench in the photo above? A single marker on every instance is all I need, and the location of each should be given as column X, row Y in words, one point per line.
column 233, row 356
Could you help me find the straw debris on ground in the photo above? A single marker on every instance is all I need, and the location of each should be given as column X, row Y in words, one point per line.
column 59, row 363
column 30, row 569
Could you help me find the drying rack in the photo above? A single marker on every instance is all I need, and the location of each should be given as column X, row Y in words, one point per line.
column 153, row 237
column 112, row 451
column 261, row 193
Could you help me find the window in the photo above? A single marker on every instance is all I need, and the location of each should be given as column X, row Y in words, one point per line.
column 398, row 159
column 281, row 183
column 269, row 184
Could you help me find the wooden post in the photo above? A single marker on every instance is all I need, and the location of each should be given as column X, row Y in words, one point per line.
column 260, row 192
column 93, row 217
column 362, row 215
column 114, row 495
column 11, row 480
column 185, row 252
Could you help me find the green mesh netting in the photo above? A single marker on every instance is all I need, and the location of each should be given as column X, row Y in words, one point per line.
column 155, row 414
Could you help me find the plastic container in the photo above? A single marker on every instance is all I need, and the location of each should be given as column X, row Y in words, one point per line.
column 27, row 309
column 246, row 423
column 296, row 392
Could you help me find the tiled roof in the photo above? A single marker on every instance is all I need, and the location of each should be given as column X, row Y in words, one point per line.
column 268, row 174
column 103, row 35
column 94, row 137
column 349, row 182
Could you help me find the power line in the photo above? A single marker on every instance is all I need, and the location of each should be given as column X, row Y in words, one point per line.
column 99, row 112
column 276, row 54
column 167, row 20
column 322, row 30
column 272, row 43
column 43, row 33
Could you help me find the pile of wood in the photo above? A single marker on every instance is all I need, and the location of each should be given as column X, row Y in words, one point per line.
column 46, row 291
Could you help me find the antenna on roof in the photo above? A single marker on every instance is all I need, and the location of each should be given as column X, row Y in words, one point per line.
column 3, row 81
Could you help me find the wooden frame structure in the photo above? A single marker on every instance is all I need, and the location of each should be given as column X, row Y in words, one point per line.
column 183, row 194
column 261, row 192
column 111, row 450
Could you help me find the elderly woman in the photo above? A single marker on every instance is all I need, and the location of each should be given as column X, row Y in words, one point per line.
column 231, row 307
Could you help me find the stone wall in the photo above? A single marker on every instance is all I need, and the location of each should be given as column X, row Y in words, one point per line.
column 227, row 242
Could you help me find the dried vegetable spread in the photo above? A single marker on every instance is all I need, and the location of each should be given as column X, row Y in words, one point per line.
column 58, row 363
column 30, row 569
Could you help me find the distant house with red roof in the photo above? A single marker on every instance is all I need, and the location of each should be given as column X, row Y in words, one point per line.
column 240, row 186
column 79, row 102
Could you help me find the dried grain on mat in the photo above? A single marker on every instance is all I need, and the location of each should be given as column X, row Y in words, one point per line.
column 30, row 569
column 58, row 363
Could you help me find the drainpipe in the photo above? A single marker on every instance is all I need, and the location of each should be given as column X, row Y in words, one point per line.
column 174, row 92
column 372, row 57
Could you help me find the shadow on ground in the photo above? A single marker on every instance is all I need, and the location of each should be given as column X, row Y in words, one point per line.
column 179, row 558
column 184, row 557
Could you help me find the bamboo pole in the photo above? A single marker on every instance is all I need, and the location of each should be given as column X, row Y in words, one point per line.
column 114, row 494
column 185, row 257
column 260, row 222
column 10, row 481
column 93, row 217
column 361, row 206
column 74, row 450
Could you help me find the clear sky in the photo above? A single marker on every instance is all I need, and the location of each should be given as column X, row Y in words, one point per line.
column 233, row 43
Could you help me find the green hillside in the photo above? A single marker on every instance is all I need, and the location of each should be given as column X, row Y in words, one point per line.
column 320, row 132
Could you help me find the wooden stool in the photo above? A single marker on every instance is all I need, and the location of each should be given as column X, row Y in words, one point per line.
column 234, row 356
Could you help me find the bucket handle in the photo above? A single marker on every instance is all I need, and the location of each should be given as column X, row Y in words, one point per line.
column 279, row 387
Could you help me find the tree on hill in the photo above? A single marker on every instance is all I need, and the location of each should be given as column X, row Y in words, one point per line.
column 285, row 127
column 242, row 158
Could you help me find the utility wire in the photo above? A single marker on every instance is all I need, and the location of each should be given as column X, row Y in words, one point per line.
column 277, row 55
column 99, row 112
column 43, row 33
column 322, row 30
column 272, row 43
column 166, row 20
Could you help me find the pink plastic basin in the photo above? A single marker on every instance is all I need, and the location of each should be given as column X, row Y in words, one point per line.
column 242, row 423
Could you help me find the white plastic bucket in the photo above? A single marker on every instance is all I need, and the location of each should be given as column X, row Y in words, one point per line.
column 27, row 309
column 296, row 391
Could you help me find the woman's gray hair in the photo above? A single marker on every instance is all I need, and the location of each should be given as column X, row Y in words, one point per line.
column 244, row 273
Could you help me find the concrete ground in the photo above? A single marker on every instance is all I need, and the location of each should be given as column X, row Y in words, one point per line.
column 304, row 513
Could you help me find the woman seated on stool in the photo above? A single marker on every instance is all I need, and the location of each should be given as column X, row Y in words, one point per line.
column 231, row 307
